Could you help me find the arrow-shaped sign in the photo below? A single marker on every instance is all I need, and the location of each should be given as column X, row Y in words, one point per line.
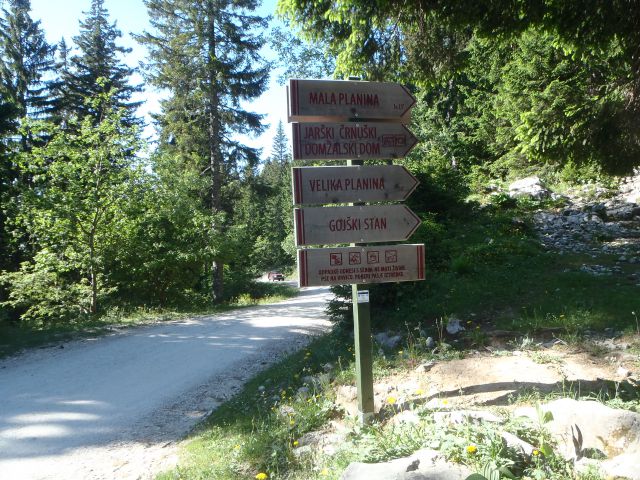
column 346, row 141
column 376, row 183
column 361, row 224
column 379, row 264
column 347, row 100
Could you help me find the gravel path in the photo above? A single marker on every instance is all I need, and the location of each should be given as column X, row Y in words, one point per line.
column 115, row 406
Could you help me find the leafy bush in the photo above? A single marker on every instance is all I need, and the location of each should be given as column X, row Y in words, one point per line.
column 45, row 291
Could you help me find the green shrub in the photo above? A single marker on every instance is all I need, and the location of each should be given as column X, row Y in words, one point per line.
column 42, row 291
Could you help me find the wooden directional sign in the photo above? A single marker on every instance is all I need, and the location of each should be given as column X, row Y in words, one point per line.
column 310, row 100
column 376, row 183
column 361, row 224
column 379, row 264
column 348, row 141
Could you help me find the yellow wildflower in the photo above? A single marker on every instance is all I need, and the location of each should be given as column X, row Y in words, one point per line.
column 391, row 400
column 324, row 472
column 472, row 449
column 295, row 443
column 236, row 447
column 262, row 476
column 419, row 392
column 445, row 402
column 535, row 453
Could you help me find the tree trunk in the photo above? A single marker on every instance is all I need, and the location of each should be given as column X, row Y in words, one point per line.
column 93, row 281
column 215, row 155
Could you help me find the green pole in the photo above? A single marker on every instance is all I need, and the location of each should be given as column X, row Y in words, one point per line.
column 363, row 344
column 364, row 353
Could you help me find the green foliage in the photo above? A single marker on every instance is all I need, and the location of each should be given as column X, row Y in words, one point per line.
column 47, row 290
column 299, row 58
column 506, row 87
column 158, row 260
column 270, row 211
column 82, row 179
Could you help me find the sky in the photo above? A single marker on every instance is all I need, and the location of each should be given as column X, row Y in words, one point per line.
column 60, row 18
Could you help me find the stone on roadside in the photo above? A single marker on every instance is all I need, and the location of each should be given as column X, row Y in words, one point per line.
column 529, row 187
column 454, row 325
column 623, row 372
column 621, row 212
column 425, row 366
column 303, row 393
column 582, row 426
column 457, row 417
column 620, row 467
column 406, row 416
column 387, row 340
column 422, row 465
column 516, row 443
column 324, row 441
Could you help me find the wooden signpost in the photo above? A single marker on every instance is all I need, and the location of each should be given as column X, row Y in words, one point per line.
column 375, row 183
column 361, row 224
column 354, row 120
column 348, row 141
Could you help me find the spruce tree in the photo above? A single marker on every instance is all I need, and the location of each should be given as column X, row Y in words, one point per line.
column 25, row 60
column 206, row 54
column 98, row 59
column 277, row 221
column 280, row 149
column 8, row 175
column 62, row 108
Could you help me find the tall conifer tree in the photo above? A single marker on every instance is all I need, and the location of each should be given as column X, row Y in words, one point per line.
column 61, row 99
column 25, row 60
column 277, row 223
column 206, row 54
column 98, row 58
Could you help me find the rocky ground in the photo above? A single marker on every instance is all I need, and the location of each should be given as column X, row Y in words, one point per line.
column 603, row 224
column 485, row 388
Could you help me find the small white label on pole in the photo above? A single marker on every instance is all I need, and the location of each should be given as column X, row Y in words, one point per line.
column 363, row 296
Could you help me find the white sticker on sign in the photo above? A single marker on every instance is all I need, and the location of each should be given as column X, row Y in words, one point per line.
column 363, row 296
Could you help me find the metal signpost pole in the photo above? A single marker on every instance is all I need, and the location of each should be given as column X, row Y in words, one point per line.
column 363, row 344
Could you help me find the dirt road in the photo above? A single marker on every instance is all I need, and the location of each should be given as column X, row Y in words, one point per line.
column 113, row 407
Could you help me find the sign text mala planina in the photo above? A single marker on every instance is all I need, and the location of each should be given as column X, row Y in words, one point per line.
column 340, row 100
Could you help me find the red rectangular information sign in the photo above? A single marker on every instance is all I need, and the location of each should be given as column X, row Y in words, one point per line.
column 348, row 265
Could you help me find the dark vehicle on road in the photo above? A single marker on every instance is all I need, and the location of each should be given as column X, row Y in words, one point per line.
column 275, row 276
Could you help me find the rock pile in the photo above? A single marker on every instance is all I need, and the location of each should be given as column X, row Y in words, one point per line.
column 594, row 435
column 594, row 220
column 591, row 435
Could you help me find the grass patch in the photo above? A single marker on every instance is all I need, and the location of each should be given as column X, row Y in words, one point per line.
column 489, row 268
column 15, row 337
